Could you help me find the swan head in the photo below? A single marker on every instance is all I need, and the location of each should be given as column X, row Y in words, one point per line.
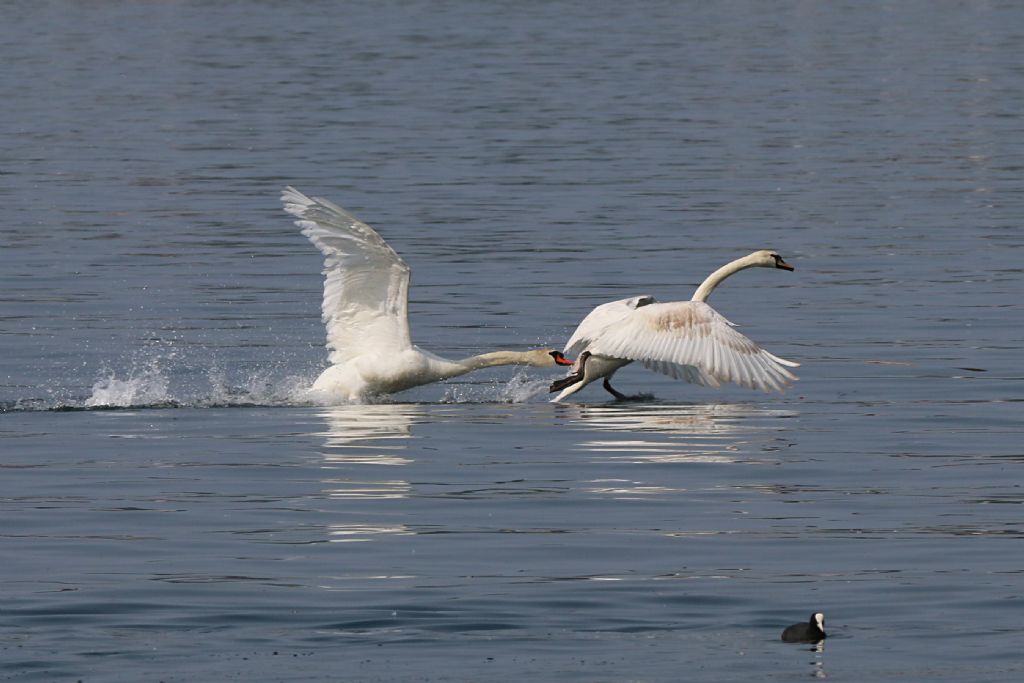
column 546, row 358
column 767, row 258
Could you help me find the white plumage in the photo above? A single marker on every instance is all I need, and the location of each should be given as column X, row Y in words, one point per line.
column 686, row 340
column 365, row 310
column 366, row 283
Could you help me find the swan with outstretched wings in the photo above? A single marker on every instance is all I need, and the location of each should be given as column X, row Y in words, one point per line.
column 686, row 340
column 365, row 311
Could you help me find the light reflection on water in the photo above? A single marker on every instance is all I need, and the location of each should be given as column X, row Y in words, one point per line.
column 818, row 663
column 354, row 533
column 366, row 435
column 675, row 433
column 576, row 153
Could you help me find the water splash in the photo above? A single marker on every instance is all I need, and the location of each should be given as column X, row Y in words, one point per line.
column 167, row 381
column 520, row 388
column 152, row 387
column 264, row 387
column 147, row 387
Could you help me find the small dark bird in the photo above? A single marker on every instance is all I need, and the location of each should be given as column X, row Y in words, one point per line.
column 812, row 631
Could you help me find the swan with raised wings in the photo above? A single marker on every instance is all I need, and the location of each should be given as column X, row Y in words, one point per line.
column 366, row 285
column 686, row 340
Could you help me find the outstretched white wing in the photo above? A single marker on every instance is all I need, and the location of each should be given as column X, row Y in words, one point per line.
column 601, row 317
column 689, row 340
column 366, row 284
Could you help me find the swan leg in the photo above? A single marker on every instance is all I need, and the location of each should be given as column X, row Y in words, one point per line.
column 619, row 396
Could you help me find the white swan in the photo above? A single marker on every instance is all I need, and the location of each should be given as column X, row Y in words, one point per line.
column 365, row 305
column 686, row 340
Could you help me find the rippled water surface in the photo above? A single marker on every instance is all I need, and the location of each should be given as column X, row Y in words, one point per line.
column 171, row 509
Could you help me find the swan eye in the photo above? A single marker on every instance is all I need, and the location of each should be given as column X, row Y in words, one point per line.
column 780, row 263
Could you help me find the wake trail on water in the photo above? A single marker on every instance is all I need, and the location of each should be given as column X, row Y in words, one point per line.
column 153, row 385
column 156, row 383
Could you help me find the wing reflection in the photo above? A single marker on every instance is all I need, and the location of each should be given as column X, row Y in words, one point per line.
column 708, row 433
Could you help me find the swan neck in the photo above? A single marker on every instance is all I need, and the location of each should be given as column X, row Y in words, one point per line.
column 489, row 360
column 715, row 279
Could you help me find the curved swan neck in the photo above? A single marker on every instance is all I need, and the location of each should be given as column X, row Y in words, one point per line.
column 715, row 279
column 488, row 360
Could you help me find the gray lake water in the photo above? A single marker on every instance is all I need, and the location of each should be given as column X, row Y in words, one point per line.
column 170, row 510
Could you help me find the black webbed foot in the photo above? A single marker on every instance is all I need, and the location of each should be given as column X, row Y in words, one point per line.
column 619, row 396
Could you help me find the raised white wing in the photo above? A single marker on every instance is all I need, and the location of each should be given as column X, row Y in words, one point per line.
column 366, row 284
column 600, row 318
column 689, row 340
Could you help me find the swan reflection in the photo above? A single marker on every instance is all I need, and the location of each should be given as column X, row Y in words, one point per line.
column 366, row 435
column 359, row 533
column 369, row 434
column 706, row 433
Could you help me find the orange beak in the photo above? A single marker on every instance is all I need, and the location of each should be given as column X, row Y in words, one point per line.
column 562, row 360
column 782, row 264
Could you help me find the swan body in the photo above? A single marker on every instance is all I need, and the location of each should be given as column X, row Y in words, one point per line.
column 687, row 340
column 365, row 310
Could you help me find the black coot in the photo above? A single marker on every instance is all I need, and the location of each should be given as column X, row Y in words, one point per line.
column 811, row 631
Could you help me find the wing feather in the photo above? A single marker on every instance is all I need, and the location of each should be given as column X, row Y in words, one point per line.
column 599, row 319
column 690, row 340
column 366, row 283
